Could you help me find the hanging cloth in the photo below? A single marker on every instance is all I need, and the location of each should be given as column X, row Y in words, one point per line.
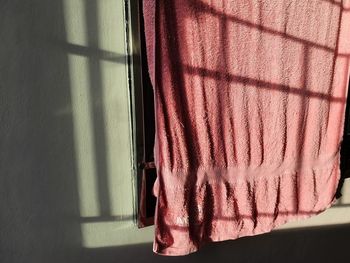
column 250, row 99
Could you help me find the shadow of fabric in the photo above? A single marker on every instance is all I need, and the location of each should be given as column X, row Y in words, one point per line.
column 319, row 244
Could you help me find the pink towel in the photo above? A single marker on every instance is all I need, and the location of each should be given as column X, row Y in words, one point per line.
column 250, row 103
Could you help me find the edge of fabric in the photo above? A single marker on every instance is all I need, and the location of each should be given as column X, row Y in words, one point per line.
column 208, row 211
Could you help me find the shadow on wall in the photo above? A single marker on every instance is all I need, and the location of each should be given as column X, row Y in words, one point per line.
column 40, row 202
column 321, row 244
column 38, row 189
column 41, row 167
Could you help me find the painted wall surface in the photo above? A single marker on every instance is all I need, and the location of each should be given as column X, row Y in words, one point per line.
column 65, row 159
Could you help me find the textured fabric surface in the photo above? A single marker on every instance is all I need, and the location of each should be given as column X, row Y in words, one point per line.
column 250, row 102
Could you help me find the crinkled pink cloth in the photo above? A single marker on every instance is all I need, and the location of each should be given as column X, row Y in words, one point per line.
column 250, row 102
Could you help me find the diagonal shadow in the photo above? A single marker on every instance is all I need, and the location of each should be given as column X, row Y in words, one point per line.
column 91, row 52
column 205, row 8
column 255, row 83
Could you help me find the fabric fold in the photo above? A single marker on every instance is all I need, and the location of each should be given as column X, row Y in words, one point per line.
column 250, row 103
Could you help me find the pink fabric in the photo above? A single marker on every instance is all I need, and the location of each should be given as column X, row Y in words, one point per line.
column 250, row 101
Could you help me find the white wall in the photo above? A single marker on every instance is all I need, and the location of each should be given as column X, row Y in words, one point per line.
column 65, row 160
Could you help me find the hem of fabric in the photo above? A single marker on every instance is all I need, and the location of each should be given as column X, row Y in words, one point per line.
column 173, row 252
column 178, row 251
